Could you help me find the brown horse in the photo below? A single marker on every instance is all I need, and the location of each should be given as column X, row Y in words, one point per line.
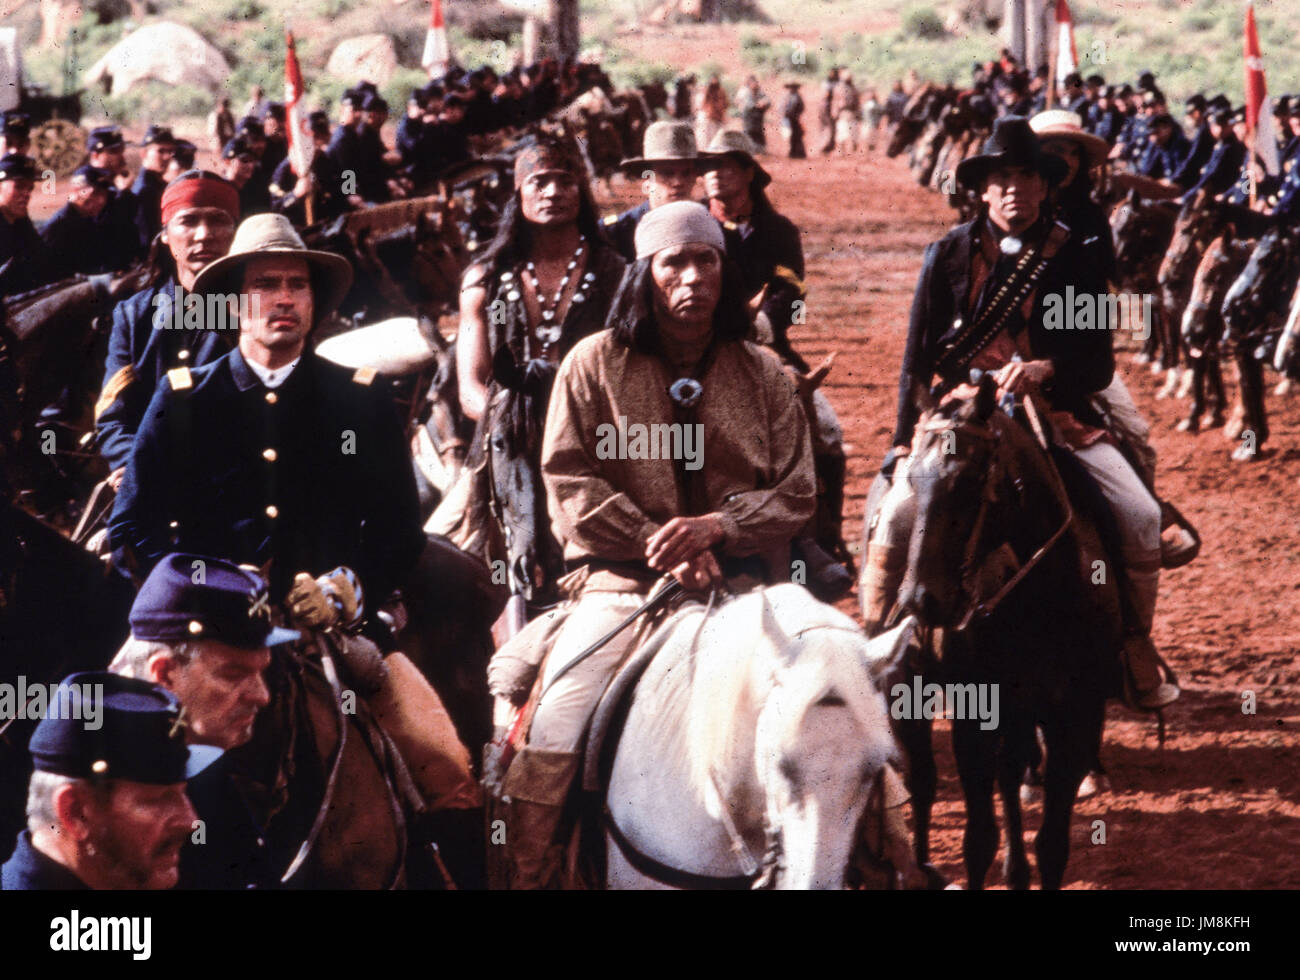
column 323, row 780
column 1142, row 231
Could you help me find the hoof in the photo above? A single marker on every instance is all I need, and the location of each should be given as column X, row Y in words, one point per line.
column 1190, row 424
column 1093, row 783
column 1157, row 368
column 1245, row 454
column 1233, row 429
column 1283, row 389
column 1212, row 421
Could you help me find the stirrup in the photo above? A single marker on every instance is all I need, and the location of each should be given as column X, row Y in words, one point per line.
column 1179, row 541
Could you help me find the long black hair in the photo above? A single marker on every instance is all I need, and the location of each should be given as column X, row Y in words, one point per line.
column 632, row 317
column 514, row 237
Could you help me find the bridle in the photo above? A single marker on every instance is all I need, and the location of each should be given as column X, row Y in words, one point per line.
column 972, row 563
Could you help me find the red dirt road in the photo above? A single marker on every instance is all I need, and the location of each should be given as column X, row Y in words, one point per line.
column 1219, row 805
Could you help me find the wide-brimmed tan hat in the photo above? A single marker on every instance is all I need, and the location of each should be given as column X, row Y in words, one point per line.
column 735, row 144
column 1063, row 124
column 272, row 234
column 666, row 141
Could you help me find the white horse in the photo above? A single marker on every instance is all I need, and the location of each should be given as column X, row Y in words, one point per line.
column 752, row 746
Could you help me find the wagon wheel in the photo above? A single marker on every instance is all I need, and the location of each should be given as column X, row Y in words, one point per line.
column 59, row 145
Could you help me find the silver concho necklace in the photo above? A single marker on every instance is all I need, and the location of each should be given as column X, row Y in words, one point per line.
column 548, row 331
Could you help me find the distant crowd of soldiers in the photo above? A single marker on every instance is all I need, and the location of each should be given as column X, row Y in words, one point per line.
column 112, row 217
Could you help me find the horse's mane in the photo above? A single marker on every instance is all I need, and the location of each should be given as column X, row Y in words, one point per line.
column 801, row 650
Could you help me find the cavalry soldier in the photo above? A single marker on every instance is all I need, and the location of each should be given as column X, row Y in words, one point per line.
column 1199, row 147
column 1166, row 150
column 183, row 154
column 208, row 643
column 1061, row 134
column 159, row 144
column 1013, row 249
column 277, row 146
column 20, row 245
column 271, row 455
column 115, row 225
column 374, row 183
column 1224, row 165
column 238, row 166
column 256, row 190
column 676, row 353
column 199, row 211
column 70, row 235
column 667, row 168
column 106, row 806
column 323, row 182
column 547, row 280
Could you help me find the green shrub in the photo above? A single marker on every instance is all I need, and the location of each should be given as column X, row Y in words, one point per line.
column 152, row 100
column 923, row 22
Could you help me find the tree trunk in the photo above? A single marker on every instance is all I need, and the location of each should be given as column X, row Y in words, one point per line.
column 565, row 28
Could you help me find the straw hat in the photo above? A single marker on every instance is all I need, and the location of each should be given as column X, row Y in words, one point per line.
column 1062, row 124
column 272, row 234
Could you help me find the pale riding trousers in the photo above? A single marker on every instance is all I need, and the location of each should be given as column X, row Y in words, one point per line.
column 565, row 709
column 1137, row 513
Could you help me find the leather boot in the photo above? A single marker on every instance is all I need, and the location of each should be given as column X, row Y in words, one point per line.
column 538, row 786
column 1146, row 671
column 883, row 568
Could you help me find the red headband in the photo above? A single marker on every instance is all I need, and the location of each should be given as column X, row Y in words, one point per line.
column 205, row 191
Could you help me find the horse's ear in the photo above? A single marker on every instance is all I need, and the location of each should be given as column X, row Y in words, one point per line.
column 986, row 399
column 885, row 652
column 771, row 631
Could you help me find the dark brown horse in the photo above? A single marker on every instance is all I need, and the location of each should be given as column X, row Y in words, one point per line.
column 322, row 779
column 998, row 563
column 1254, row 310
column 1142, row 231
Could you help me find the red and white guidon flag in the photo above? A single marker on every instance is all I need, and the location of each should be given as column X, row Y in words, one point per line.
column 1259, row 107
column 437, row 52
column 1067, row 58
column 300, row 143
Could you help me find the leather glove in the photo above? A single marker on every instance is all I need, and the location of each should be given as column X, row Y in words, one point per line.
column 333, row 599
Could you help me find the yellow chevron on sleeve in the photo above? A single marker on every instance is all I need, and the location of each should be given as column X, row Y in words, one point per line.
column 118, row 383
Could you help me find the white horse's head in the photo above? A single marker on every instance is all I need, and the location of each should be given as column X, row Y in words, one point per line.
column 821, row 747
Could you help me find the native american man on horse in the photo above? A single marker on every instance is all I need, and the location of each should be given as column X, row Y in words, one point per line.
column 676, row 362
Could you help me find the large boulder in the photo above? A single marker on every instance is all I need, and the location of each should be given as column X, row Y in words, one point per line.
column 370, row 56
column 165, row 52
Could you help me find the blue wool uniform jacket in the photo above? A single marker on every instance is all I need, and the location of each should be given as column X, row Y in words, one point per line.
column 30, row 870
column 1221, row 170
column 234, row 853
column 138, row 356
column 75, row 245
column 148, row 191
column 621, row 229
column 1082, row 359
column 30, row 260
column 1202, row 146
column 1164, row 161
column 311, row 475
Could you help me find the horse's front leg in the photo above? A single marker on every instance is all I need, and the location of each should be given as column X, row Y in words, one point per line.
column 976, row 754
column 922, row 780
column 1071, row 746
column 1016, row 750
